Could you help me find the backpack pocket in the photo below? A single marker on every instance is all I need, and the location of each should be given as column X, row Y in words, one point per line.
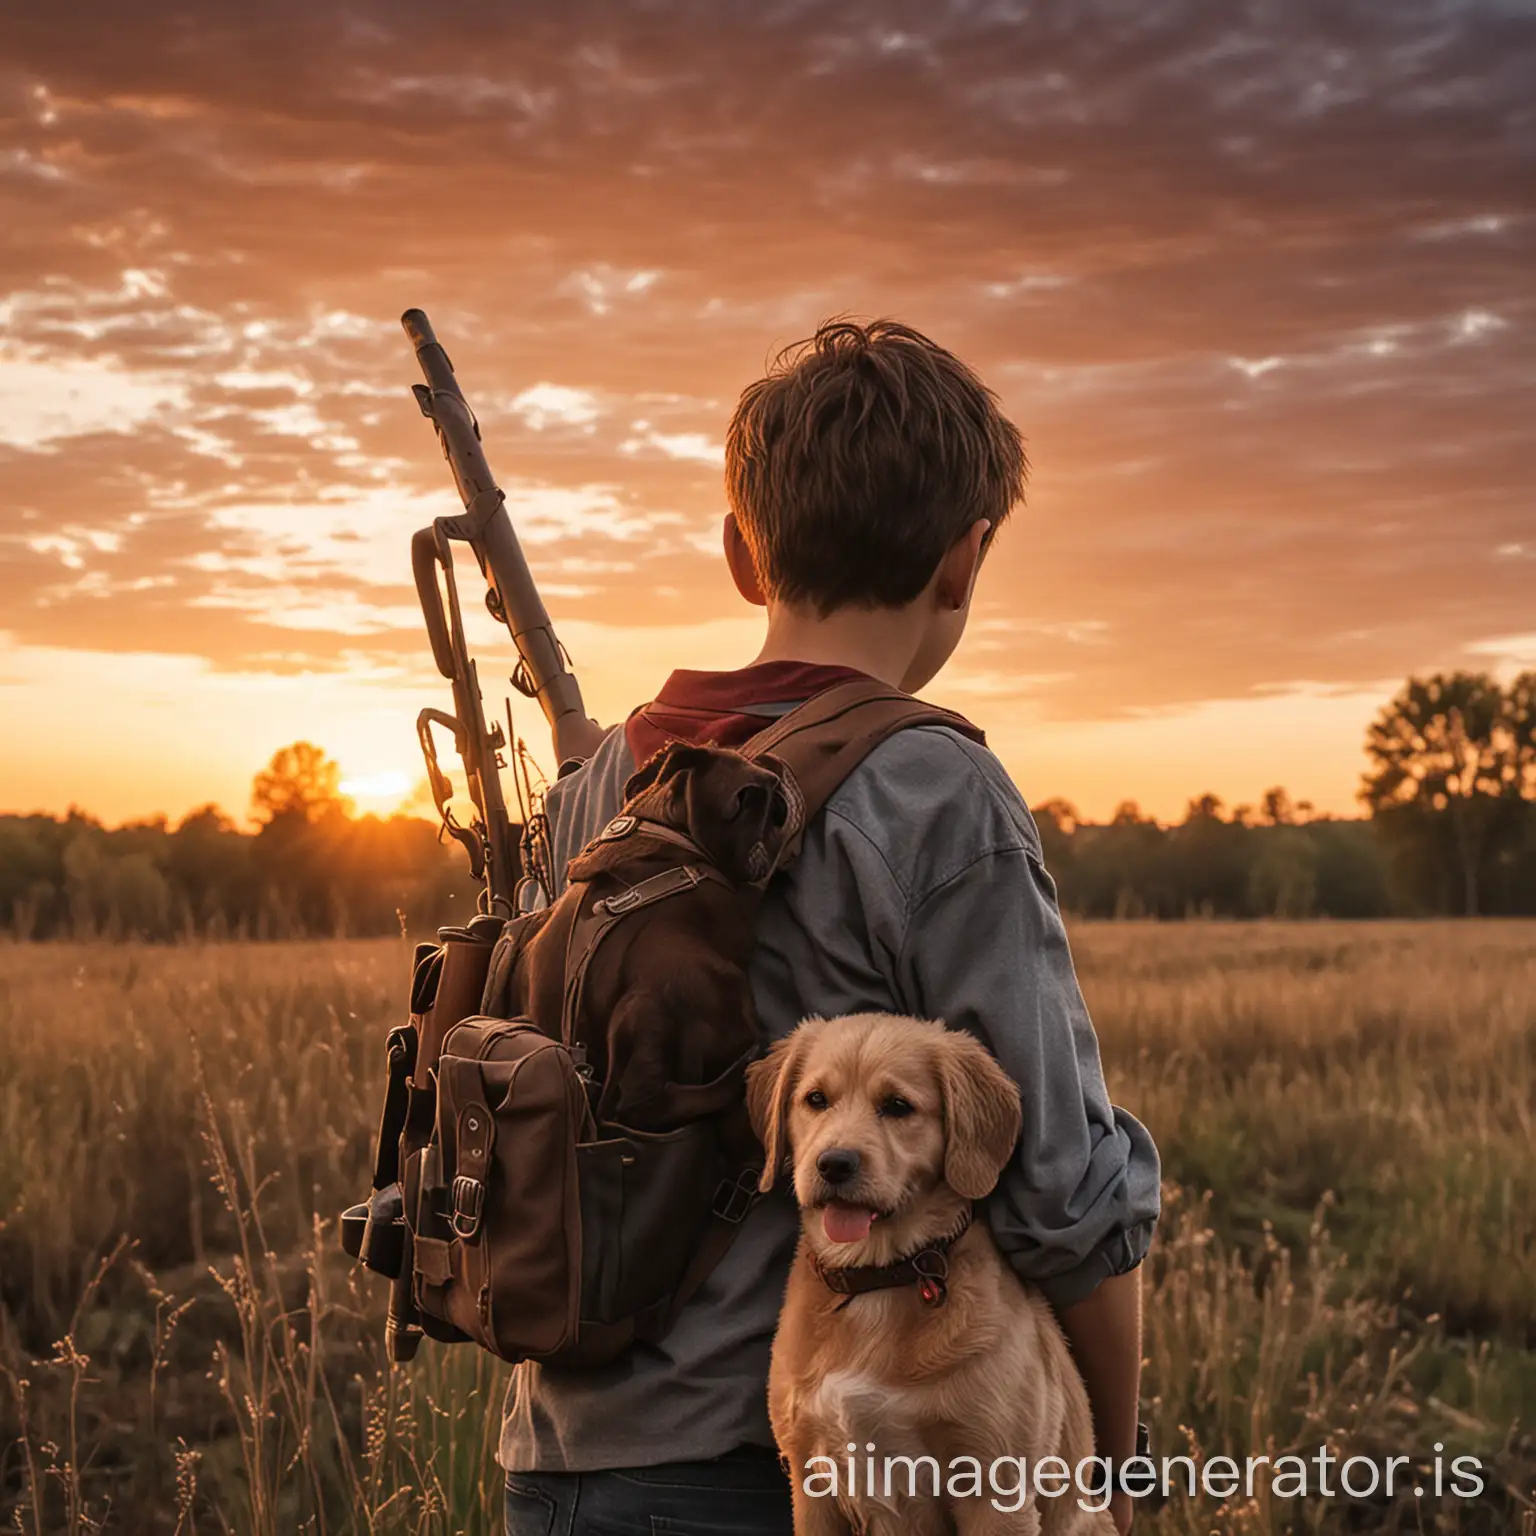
column 502, row 997
column 644, row 1198
column 503, row 1258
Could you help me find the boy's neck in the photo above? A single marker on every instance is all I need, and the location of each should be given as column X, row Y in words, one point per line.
column 881, row 642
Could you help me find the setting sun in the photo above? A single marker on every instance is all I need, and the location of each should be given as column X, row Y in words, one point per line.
column 381, row 790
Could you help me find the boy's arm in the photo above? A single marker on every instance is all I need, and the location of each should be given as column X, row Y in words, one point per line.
column 582, row 801
column 1104, row 1330
column 986, row 950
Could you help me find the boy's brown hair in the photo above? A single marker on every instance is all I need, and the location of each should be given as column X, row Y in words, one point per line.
column 860, row 459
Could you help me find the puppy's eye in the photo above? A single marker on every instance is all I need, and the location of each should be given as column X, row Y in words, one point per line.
column 816, row 1099
column 895, row 1107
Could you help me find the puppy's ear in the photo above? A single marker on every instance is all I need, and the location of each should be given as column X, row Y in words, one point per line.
column 770, row 1089
column 982, row 1118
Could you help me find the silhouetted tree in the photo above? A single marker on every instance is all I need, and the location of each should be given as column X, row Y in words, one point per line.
column 1061, row 814
column 1057, row 820
column 1447, row 769
column 1520, row 721
column 1277, row 808
column 299, row 781
column 209, row 865
column 1122, row 869
column 1351, row 878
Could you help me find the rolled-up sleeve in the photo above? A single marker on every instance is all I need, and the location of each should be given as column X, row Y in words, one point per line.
column 986, row 951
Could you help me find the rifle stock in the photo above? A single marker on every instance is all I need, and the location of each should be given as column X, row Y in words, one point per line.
column 511, row 597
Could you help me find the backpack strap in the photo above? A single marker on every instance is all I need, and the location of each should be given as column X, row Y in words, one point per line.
column 815, row 746
column 821, row 741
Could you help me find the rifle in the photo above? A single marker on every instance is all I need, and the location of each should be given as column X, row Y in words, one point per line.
column 542, row 670
column 448, row 976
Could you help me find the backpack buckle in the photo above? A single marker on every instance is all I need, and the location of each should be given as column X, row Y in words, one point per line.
column 735, row 1197
column 656, row 888
column 620, row 826
column 468, row 1202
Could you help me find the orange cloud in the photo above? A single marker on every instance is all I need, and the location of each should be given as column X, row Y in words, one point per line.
column 1256, row 288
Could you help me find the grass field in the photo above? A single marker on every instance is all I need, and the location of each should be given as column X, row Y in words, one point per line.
column 1347, row 1116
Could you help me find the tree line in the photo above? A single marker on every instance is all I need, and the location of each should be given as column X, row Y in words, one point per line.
column 1449, row 795
column 310, row 869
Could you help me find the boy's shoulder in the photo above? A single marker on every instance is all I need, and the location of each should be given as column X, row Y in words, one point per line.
column 929, row 801
column 933, row 802
column 581, row 802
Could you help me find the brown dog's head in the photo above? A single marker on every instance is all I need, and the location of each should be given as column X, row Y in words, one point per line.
column 891, row 1125
column 732, row 808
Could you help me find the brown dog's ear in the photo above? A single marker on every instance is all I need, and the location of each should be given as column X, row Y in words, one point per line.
column 663, row 763
column 770, row 1087
column 736, row 812
column 982, row 1117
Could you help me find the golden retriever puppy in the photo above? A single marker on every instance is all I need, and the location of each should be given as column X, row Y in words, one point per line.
column 904, row 1332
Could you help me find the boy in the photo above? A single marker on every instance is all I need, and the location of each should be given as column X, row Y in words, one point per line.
column 866, row 476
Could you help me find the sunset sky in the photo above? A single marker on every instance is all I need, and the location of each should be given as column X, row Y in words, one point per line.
column 1255, row 279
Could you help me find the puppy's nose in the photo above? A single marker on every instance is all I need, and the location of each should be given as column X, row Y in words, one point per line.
column 837, row 1165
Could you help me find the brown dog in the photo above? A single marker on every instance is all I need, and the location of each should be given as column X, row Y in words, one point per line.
column 904, row 1333
column 663, row 1010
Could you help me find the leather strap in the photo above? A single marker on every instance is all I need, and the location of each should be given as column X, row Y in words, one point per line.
column 475, row 1135
column 643, row 827
column 740, row 1196
column 592, row 923
column 401, row 1053
column 669, row 882
column 821, row 741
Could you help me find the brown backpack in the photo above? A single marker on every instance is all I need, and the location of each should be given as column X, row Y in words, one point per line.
column 564, row 1153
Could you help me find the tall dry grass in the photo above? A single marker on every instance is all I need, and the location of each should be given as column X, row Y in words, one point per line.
column 1347, row 1116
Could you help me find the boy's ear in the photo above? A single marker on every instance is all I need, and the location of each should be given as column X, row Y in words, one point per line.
column 770, row 1090
column 743, row 568
column 958, row 570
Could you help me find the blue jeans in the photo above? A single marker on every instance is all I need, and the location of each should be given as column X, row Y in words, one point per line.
column 745, row 1491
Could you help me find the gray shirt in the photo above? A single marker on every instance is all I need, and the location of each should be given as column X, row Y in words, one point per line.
column 919, row 890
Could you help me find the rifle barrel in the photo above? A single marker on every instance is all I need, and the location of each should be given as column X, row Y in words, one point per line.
column 488, row 530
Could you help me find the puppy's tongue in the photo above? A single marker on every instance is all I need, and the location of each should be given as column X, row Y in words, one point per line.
column 846, row 1223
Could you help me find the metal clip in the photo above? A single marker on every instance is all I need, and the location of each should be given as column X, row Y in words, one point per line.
column 932, row 1270
column 468, row 1202
column 735, row 1197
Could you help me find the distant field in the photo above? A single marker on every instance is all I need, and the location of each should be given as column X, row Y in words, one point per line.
column 1347, row 1115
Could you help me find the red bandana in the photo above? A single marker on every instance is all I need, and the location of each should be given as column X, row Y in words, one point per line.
column 714, row 707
